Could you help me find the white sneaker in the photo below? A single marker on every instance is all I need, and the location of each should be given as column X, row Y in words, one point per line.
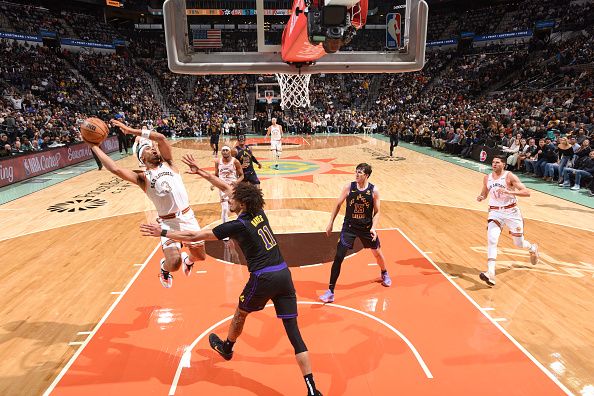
column 187, row 265
column 165, row 277
column 534, row 256
column 484, row 276
column 575, row 187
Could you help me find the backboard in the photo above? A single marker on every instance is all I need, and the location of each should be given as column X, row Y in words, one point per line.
column 247, row 40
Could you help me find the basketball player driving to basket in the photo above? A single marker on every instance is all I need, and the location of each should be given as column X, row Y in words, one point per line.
column 162, row 183
column 270, row 277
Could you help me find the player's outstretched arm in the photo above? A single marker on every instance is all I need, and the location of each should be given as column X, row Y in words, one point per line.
column 122, row 173
column 154, row 230
column 484, row 191
column 343, row 195
column 255, row 160
column 162, row 143
column 189, row 160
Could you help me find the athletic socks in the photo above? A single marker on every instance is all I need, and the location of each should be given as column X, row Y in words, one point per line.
column 310, row 384
column 491, row 268
column 228, row 346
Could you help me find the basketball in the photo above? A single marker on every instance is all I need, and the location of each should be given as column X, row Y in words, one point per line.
column 94, row 130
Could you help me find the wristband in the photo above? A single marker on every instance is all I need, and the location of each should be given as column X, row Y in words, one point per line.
column 164, row 233
column 146, row 134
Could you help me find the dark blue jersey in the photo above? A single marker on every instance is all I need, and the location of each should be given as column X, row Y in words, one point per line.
column 359, row 210
column 255, row 238
column 246, row 159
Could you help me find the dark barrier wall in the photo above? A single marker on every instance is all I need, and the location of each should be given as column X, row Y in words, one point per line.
column 23, row 167
column 484, row 154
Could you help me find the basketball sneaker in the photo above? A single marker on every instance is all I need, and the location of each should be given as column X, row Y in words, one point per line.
column 217, row 344
column 327, row 297
column 386, row 280
column 534, row 256
column 165, row 277
column 487, row 279
column 187, row 265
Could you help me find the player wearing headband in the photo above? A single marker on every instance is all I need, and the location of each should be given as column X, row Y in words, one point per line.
column 162, row 183
column 228, row 169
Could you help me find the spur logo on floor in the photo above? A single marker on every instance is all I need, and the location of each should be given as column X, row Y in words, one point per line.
column 77, row 205
column 546, row 263
column 88, row 200
column 115, row 185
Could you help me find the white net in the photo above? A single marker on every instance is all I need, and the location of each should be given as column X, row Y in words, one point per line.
column 294, row 90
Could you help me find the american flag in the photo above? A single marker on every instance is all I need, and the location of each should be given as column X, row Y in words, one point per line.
column 207, row 38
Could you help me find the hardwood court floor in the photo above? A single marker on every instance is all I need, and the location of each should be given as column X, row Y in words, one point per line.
column 61, row 265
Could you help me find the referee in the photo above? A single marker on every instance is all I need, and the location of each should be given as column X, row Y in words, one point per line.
column 270, row 278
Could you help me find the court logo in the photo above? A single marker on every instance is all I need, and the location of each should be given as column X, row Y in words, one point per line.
column 77, row 205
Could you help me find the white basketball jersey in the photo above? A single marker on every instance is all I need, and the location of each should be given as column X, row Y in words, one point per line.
column 227, row 171
column 496, row 196
column 275, row 132
column 166, row 190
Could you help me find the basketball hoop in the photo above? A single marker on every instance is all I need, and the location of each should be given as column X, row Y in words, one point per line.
column 294, row 90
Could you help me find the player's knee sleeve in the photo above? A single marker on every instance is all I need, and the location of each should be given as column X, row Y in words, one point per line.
column 294, row 335
column 493, row 232
column 518, row 241
column 224, row 210
column 341, row 251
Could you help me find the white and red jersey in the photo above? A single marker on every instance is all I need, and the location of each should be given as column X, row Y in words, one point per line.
column 227, row 171
column 275, row 132
column 496, row 187
column 166, row 190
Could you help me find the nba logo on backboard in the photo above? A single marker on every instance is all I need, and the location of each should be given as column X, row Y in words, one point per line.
column 393, row 31
column 483, row 156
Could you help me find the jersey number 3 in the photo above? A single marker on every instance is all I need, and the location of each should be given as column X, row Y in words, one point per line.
column 267, row 237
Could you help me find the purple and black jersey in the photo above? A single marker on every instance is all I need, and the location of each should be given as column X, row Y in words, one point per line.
column 255, row 238
column 359, row 210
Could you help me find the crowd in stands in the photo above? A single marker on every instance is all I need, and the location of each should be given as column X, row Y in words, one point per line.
column 541, row 114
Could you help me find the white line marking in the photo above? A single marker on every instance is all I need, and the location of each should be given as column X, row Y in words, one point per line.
column 103, row 319
column 137, row 265
column 75, row 343
column 499, row 319
column 225, row 262
column 488, row 309
column 201, row 272
column 512, row 339
column 83, row 332
column 372, row 264
column 116, row 293
column 311, row 265
column 452, row 277
column 183, row 362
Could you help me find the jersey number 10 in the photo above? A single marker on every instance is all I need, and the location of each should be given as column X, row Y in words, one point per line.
column 267, row 237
